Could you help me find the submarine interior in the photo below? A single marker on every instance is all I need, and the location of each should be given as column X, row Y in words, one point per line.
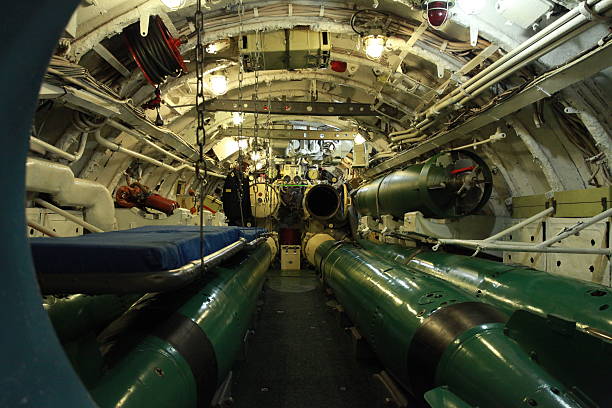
column 305, row 203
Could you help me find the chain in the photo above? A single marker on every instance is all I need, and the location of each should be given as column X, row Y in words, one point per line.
column 240, row 74
column 268, row 155
column 240, row 125
column 200, row 164
column 256, row 96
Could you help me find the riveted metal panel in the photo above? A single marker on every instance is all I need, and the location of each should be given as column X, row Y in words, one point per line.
column 588, row 267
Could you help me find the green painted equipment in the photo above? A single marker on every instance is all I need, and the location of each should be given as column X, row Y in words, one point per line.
column 429, row 334
column 77, row 320
column 564, row 324
column 451, row 184
column 175, row 349
column 510, row 287
column 75, row 316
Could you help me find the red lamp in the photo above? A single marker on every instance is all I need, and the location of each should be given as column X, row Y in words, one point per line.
column 438, row 12
column 338, row 66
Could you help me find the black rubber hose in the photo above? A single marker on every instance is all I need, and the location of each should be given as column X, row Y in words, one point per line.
column 152, row 52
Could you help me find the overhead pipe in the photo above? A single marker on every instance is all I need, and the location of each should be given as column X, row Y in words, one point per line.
column 58, row 180
column 566, row 27
column 579, row 23
column 116, row 148
column 432, row 336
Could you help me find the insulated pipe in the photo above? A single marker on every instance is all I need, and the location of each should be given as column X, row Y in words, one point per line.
column 187, row 341
column 431, row 335
column 58, row 180
column 116, row 148
column 68, row 216
column 508, row 287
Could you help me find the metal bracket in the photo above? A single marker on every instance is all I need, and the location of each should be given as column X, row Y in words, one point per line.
column 588, row 13
column 107, row 56
column 144, row 13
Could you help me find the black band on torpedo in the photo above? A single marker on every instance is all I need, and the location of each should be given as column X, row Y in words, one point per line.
column 195, row 347
column 435, row 335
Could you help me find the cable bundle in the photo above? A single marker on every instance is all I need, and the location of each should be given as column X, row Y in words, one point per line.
column 157, row 54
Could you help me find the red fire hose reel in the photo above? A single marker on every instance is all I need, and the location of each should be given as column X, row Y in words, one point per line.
column 137, row 195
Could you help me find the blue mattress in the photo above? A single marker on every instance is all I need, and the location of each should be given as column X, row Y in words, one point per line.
column 144, row 249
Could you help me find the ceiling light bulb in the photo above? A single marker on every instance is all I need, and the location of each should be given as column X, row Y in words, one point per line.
column 237, row 118
column 243, row 143
column 471, row 6
column 374, row 46
column 359, row 139
column 218, row 84
column 173, row 4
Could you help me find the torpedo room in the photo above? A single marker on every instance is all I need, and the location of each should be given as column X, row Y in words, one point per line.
column 306, row 204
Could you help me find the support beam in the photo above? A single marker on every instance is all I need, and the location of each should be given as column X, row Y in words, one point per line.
column 107, row 56
column 543, row 87
column 291, row 108
column 291, row 134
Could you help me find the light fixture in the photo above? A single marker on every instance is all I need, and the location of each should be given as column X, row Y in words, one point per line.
column 237, row 118
column 437, row 12
column 243, row 144
column 338, row 66
column 374, row 46
column 359, row 139
column 218, row 46
column 173, row 4
column 471, row 6
column 218, row 84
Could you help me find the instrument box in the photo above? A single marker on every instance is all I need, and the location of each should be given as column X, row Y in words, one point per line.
column 290, row 257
